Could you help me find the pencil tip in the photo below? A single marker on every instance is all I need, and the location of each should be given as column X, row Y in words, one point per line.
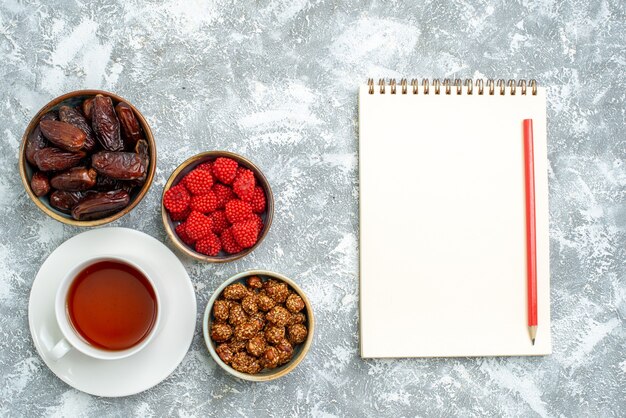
column 532, row 330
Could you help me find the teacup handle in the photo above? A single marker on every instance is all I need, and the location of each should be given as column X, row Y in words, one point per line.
column 60, row 349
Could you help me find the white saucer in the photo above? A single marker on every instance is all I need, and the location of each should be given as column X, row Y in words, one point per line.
column 156, row 361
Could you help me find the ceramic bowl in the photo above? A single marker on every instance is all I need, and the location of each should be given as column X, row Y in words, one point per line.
column 189, row 165
column 300, row 351
column 26, row 171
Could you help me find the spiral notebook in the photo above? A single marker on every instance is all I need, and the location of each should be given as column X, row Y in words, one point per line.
column 442, row 219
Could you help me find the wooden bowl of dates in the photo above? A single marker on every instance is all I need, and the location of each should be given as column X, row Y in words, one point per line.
column 87, row 158
column 220, row 245
column 258, row 325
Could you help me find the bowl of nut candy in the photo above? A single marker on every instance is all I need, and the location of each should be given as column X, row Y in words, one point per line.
column 87, row 158
column 258, row 325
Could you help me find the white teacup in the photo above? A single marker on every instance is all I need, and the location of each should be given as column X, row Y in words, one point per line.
column 72, row 340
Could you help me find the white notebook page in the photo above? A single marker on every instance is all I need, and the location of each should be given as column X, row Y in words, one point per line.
column 442, row 224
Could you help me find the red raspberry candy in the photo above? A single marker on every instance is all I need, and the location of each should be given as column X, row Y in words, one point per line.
column 180, row 216
column 205, row 203
column 223, row 194
column 238, row 210
column 258, row 200
column 205, row 166
column 259, row 222
column 228, row 242
column 182, row 234
column 243, row 186
column 198, row 225
column 209, row 245
column 225, row 169
column 198, row 181
column 176, row 199
column 246, row 233
column 219, row 221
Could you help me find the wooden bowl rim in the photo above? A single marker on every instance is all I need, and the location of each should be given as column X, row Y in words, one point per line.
column 96, row 222
column 198, row 158
column 289, row 366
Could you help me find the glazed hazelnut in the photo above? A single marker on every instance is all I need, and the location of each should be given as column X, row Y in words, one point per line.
column 284, row 345
column 296, row 333
column 221, row 332
column 285, row 351
column 245, row 363
column 245, row 331
column 256, row 345
column 270, row 358
column 235, row 291
column 274, row 334
column 259, row 319
column 297, row 318
column 237, row 345
column 279, row 316
column 294, row 303
column 264, row 302
column 225, row 352
column 249, row 304
column 269, row 283
column 258, row 325
column 236, row 314
column 284, row 357
column 221, row 309
column 278, row 292
column 254, row 282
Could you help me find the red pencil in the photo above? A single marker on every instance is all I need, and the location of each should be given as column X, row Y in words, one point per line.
column 531, row 239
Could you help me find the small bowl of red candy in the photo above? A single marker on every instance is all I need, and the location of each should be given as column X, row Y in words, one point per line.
column 217, row 206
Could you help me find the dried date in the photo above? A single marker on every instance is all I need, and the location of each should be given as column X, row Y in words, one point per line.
column 100, row 204
column 51, row 115
column 143, row 150
column 75, row 179
column 87, row 108
column 40, row 184
column 119, row 165
column 61, row 150
column 54, row 159
column 35, row 139
column 131, row 129
column 34, row 142
column 105, row 124
column 65, row 201
column 63, row 135
column 74, row 117
column 104, row 183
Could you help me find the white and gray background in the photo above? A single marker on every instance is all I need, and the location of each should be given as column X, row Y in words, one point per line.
column 277, row 81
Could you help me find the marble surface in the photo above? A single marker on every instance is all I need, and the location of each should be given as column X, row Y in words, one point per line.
column 277, row 81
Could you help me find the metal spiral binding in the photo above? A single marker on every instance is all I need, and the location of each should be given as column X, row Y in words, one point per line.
column 482, row 87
